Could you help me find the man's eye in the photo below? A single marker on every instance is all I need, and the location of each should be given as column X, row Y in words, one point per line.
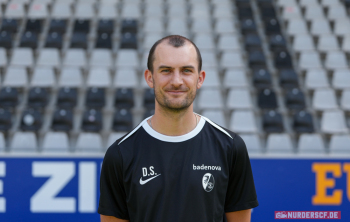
column 187, row 70
column 165, row 70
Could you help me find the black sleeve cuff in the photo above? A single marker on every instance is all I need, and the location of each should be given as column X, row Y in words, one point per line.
column 245, row 206
column 107, row 212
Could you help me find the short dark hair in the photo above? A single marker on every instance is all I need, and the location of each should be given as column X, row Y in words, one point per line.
column 176, row 41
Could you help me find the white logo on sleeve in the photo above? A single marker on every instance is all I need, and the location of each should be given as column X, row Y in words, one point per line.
column 208, row 182
column 145, row 173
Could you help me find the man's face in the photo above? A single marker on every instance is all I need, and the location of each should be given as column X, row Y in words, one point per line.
column 175, row 76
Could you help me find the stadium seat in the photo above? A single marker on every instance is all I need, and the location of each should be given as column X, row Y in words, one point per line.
column 341, row 79
column 3, row 57
column 316, row 78
column 228, row 42
column 288, row 78
column 22, row 57
column 248, row 26
column 79, row 40
column 104, row 41
column 38, row 97
column 201, row 25
column 49, row 57
column 256, row 58
column 34, row 25
column 303, row 122
column 204, row 41
column 296, row 27
column 15, row 77
column 337, row 12
column 345, row 100
column 324, row 99
column 148, row 98
column 235, row 78
column 210, row 98
column 95, row 98
column 148, row 112
column 67, row 97
column 309, row 60
column 267, row 99
column 279, row 143
column 84, row 10
column 125, row 77
column 43, row 77
column 129, row 25
column 291, row 12
column 89, row 142
column 243, row 122
column 131, row 11
column 272, row 26
column 62, row 119
column 9, row 97
column 295, row 99
column 114, row 136
column 335, row 60
column 239, row 99
column 200, row 11
column 252, row 41
column 127, row 58
column 313, row 12
column 14, row 10
column 82, row 25
column 303, row 42
column 327, row 43
column 29, row 40
column 272, row 122
column 209, row 59
column 217, row 116
column 176, row 10
column 224, row 26
column 9, row 25
column 107, row 12
column 122, row 121
column 232, row 60
column 311, row 143
column 341, row 27
column 75, row 58
column 128, row 41
column 61, row 11
column 5, row 122
column 101, row 58
column 339, row 144
column 56, row 142
column 71, row 77
column 176, row 24
column 211, row 79
column 124, row 98
column 333, row 121
column 92, row 120
column 105, row 26
column 277, row 42
column 262, row 78
column 99, row 77
column 58, row 26
column 31, row 120
column 24, row 142
column 54, row 40
column 346, row 43
column 282, row 59
column 5, row 39
column 320, row 27
column 252, row 142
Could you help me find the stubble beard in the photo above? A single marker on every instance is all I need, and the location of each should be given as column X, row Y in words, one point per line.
column 174, row 107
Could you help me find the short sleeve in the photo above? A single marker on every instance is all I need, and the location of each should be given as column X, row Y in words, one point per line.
column 241, row 194
column 112, row 192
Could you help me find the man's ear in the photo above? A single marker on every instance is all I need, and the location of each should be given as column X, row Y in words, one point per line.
column 149, row 78
column 201, row 79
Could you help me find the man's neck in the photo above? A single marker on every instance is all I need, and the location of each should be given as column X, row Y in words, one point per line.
column 173, row 123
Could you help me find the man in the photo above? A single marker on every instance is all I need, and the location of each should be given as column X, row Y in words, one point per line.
column 176, row 165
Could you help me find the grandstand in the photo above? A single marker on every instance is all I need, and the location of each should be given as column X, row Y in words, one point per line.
column 72, row 71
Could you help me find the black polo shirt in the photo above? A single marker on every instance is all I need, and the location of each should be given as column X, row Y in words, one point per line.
column 149, row 177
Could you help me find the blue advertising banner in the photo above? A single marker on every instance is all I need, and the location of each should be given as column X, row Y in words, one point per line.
column 67, row 188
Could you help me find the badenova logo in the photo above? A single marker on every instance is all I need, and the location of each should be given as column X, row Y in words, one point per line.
column 203, row 167
column 208, row 182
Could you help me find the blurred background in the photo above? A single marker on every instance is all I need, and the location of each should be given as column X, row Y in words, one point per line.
column 71, row 83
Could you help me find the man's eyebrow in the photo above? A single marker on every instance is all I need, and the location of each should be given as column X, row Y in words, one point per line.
column 165, row 67
column 188, row 67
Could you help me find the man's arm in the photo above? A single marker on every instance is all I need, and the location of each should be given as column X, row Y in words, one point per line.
column 239, row 216
column 111, row 219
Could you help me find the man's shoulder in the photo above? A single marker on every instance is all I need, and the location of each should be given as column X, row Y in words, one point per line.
column 222, row 131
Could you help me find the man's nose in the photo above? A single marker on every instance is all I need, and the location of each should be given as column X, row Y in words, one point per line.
column 176, row 78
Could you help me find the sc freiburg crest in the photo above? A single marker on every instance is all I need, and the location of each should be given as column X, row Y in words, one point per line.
column 208, row 182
